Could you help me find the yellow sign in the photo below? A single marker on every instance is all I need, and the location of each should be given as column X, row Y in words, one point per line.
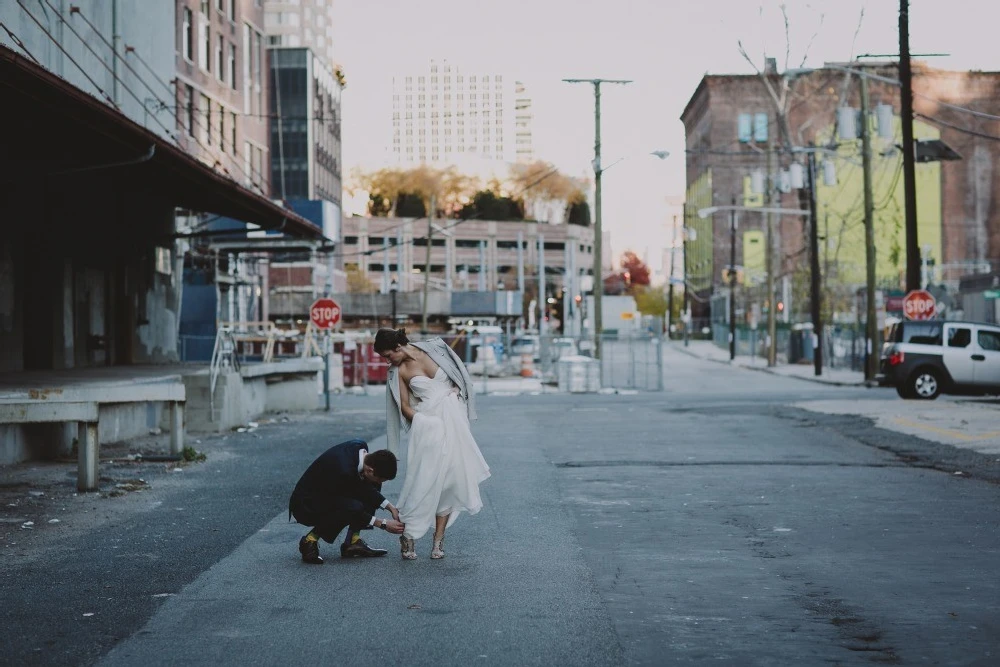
column 627, row 316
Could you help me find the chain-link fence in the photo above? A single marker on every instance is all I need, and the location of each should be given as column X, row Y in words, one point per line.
column 634, row 361
column 844, row 346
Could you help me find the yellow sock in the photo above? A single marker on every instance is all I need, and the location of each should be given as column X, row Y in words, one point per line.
column 312, row 537
column 355, row 537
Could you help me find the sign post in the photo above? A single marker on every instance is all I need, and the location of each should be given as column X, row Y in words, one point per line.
column 919, row 304
column 325, row 314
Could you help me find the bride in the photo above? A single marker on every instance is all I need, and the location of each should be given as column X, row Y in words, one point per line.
column 429, row 393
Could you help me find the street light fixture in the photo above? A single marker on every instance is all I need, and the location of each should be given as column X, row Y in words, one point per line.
column 393, row 288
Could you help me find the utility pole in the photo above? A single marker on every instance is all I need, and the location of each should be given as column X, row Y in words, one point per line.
column 685, row 303
column 772, row 301
column 598, row 238
column 732, row 281
column 670, row 279
column 909, row 150
column 427, row 264
column 871, row 340
column 815, row 292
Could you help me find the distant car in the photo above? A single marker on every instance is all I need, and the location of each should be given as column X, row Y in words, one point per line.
column 923, row 359
column 562, row 347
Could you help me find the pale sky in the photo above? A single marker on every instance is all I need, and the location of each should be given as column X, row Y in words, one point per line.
column 664, row 46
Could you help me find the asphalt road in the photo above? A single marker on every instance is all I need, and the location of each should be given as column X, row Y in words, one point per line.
column 710, row 523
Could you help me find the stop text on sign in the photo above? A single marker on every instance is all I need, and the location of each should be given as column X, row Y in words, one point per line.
column 324, row 313
column 919, row 305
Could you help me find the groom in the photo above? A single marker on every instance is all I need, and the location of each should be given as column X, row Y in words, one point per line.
column 341, row 489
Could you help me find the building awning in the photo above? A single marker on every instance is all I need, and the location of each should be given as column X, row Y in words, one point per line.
column 54, row 127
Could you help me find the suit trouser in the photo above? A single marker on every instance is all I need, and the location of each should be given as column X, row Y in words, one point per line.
column 329, row 518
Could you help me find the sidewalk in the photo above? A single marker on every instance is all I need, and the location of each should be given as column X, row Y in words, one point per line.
column 703, row 349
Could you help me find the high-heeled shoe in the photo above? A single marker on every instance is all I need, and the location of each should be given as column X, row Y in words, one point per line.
column 437, row 552
column 407, row 548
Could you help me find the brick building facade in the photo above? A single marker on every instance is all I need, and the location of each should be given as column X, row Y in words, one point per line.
column 221, row 87
column 730, row 121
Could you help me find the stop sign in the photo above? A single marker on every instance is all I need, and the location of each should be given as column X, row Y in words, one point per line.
column 324, row 313
column 919, row 305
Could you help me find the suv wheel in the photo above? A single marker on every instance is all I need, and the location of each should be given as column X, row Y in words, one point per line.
column 924, row 384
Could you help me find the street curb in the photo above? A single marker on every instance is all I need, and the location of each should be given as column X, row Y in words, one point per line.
column 836, row 383
column 769, row 371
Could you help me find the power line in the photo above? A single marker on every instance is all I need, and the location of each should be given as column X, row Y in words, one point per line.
column 66, row 53
column 965, row 130
column 168, row 107
column 19, row 43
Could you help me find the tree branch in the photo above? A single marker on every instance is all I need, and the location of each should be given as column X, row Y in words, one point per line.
column 861, row 20
column 822, row 17
column 788, row 40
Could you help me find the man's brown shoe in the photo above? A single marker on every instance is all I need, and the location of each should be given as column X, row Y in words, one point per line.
column 310, row 552
column 360, row 550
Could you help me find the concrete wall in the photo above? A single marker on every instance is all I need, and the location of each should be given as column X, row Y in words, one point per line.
column 118, row 423
column 242, row 397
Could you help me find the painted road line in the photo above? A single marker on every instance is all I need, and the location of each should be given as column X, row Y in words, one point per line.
column 945, row 431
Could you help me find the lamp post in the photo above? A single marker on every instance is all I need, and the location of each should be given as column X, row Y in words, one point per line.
column 393, row 288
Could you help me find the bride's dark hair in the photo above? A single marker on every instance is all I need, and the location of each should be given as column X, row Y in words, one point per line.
column 389, row 339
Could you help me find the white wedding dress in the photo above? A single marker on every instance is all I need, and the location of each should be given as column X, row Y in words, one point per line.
column 444, row 466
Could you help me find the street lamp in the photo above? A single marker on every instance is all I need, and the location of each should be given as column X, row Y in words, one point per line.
column 393, row 288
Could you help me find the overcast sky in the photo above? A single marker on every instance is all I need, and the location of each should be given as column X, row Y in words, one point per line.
column 664, row 46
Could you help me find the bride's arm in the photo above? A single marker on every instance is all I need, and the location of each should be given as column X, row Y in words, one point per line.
column 404, row 399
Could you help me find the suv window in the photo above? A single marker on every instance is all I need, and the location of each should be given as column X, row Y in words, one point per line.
column 989, row 340
column 959, row 337
column 922, row 333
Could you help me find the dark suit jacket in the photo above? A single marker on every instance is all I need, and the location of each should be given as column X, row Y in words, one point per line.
column 334, row 475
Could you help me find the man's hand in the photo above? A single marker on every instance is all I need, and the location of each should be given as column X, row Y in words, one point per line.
column 395, row 527
column 393, row 511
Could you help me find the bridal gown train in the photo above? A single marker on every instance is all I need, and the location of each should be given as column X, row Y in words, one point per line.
column 444, row 466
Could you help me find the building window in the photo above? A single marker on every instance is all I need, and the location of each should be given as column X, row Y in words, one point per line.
column 220, row 48
column 204, row 44
column 760, row 123
column 232, row 131
column 744, row 128
column 206, row 126
column 204, row 7
column 258, row 45
column 231, row 11
column 222, row 129
column 187, row 36
column 247, row 82
column 189, row 109
column 247, row 149
column 231, row 66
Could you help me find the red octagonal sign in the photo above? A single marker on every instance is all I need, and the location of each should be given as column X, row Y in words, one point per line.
column 324, row 313
column 919, row 305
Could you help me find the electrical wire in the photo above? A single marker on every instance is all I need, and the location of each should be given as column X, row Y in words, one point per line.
column 71, row 59
column 14, row 38
column 168, row 107
column 959, row 128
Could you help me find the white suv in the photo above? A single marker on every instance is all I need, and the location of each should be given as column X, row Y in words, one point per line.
column 922, row 359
